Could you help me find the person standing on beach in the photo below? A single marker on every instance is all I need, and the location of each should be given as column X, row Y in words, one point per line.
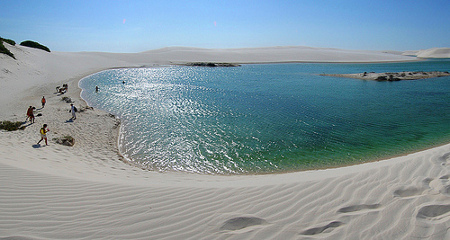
column 44, row 131
column 43, row 101
column 73, row 109
column 30, row 114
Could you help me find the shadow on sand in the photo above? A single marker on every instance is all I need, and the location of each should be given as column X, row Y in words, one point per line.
column 24, row 126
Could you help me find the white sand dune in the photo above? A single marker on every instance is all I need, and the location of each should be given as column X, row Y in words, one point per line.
column 88, row 192
column 434, row 53
column 429, row 53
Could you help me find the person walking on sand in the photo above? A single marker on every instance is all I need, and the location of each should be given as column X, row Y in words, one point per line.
column 43, row 101
column 30, row 114
column 29, row 110
column 73, row 109
column 44, row 131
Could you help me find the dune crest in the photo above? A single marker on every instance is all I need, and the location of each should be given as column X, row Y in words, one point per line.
column 429, row 53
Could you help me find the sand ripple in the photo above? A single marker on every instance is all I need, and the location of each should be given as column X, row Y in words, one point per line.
column 404, row 200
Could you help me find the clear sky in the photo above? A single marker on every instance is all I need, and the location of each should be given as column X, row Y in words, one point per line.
column 140, row 25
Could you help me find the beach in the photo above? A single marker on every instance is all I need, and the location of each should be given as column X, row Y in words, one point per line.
column 88, row 191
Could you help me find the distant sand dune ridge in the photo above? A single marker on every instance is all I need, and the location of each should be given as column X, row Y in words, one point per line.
column 430, row 53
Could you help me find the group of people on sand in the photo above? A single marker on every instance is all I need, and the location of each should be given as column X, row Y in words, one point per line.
column 30, row 111
column 43, row 131
column 62, row 89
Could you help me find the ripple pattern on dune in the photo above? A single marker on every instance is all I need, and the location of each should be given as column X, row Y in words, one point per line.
column 357, row 208
column 363, row 205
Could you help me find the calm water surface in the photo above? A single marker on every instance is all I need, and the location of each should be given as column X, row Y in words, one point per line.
column 270, row 117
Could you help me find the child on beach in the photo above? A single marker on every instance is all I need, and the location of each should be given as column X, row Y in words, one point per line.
column 43, row 102
column 44, row 131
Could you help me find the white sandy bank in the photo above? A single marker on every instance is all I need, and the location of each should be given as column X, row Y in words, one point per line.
column 87, row 192
column 429, row 53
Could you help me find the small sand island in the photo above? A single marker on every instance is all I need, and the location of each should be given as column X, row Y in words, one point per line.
column 211, row 64
column 388, row 76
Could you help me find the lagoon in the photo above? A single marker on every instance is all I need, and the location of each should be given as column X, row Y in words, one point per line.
column 270, row 118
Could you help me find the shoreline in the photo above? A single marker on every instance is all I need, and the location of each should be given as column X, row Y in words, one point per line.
column 293, row 62
column 87, row 191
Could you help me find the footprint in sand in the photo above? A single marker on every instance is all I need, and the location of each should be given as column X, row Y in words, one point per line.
column 241, row 222
column 441, row 185
column 357, row 208
column 404, row 192
column 426, row 182
column 327, row 228
column 407, row 192
column 446, row 190
column 444, row 159
column 433, row 212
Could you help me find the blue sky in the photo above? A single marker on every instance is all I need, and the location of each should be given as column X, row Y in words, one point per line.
column 135, row 26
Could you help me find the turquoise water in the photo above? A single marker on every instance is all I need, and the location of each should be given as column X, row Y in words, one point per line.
column 270, row 117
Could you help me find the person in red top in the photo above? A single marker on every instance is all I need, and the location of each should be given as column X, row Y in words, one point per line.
column 43, row 102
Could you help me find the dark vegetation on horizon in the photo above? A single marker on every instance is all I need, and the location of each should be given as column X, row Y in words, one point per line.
column 33, row 44
column 12, row 42
column 27, row 43
column 4, row 50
